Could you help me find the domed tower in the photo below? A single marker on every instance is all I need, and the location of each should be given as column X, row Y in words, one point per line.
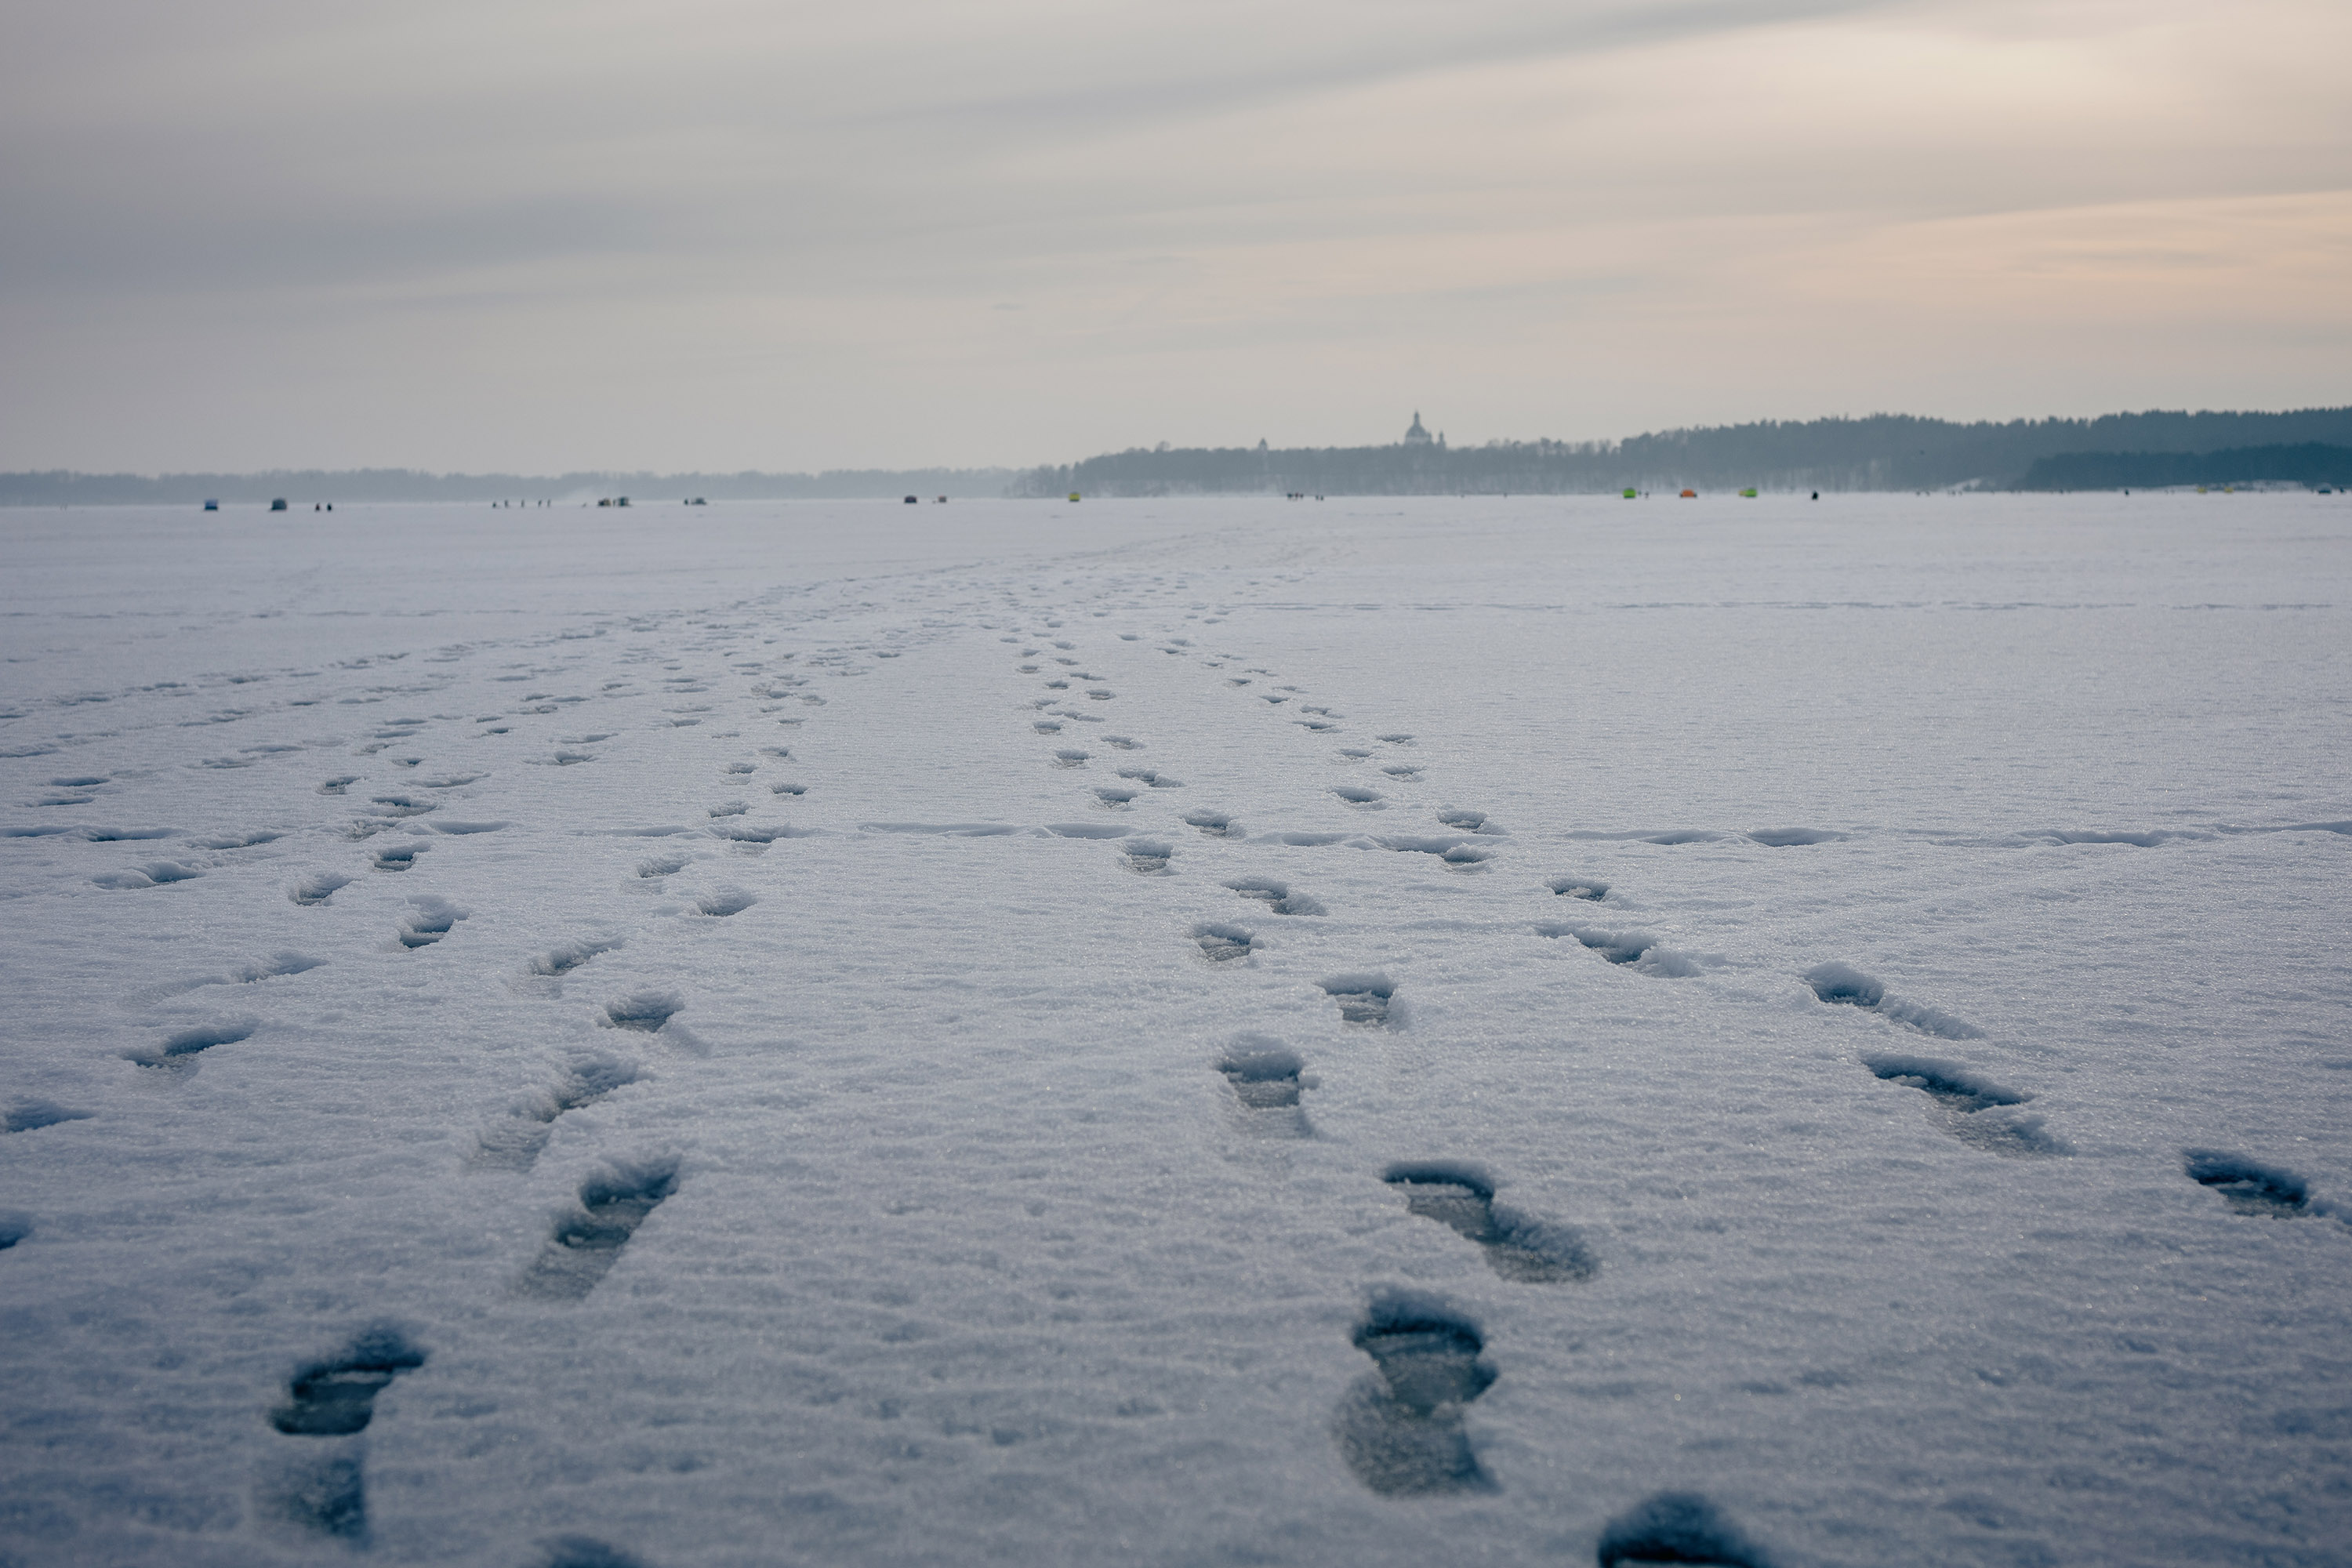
column 1417, row 437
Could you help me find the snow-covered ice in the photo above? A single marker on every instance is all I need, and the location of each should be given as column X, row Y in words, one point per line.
column 1180, row 1031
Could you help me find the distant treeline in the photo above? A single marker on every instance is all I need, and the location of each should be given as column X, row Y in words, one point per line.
column 1882, row 452
column 2310, row 463
column 304, row 487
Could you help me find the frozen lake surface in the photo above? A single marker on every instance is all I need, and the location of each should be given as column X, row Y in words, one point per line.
column 1179, row 1033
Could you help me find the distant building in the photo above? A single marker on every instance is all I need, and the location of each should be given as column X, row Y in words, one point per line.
column 1417, row 437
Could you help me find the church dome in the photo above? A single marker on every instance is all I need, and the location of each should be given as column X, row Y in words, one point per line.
column 1417, row 437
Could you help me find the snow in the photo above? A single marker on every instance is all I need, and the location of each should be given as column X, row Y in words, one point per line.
column 1179, row 1032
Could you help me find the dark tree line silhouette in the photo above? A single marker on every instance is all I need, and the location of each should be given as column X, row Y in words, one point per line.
column 1881, row 452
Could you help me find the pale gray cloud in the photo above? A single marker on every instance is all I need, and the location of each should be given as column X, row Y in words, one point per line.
column 725, row 234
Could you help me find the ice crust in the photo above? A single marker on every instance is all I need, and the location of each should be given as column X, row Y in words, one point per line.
column 1465, row 1031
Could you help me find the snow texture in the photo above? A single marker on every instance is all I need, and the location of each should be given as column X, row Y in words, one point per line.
column 1179, row 1033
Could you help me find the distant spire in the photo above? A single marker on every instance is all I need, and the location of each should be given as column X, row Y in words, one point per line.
column 1417, row 435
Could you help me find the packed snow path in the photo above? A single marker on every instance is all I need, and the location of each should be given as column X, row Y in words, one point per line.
column 1180, row 1031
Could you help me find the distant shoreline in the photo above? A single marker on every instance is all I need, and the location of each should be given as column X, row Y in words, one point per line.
column 2309, row 447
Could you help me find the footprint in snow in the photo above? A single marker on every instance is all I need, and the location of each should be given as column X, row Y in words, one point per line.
column 663, row 866
column 514, row 1144
column 1269, row 1080
column 644, row 1011
column 325, row 1490
column 1150, row 778
column 1147, row 856
column 1223, row 943
column 1461, row 1197
column 731, row 808
column 399, row 857
column 1070, row 757
column 433, row 919
column 1977, row 1111
column 1591, row 888
column 565, row 957
column 2250, row 1188
column 751, row 840
column 720, row 903
column 179, row 1051
column 237, row 840
column 1791, row 838
column 1468, row 821
column 1678, row 1527
column 1843, row 985
column 1215, row 824
column 271, row 968
column 587, row 1243
column 1277, row 896
column 1458, row 853
column 1362, row 998
column 1124, row 742
column 1399, row 1428
column 151, row 874
column 1356, row 794
column 336, row 1398
column 1637, row 950
column 29, row 1115
column 1115, row 796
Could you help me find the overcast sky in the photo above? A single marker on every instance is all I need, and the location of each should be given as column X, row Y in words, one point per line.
column 706, row 234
